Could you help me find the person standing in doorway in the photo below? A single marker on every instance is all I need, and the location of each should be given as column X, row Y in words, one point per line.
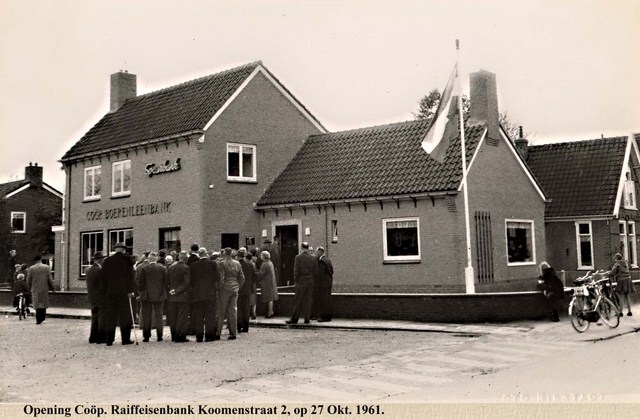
column 40, row 282
column 232, row 279
column 96, row 291
column 322, row 286
column 304, row 269
column 118, row 273
column 152, row 286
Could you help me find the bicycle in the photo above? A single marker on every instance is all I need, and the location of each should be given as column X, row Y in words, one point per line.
column 22, row 308
column 590, row 304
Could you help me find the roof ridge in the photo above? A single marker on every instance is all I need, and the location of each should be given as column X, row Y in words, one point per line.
column 580, row 142
column 374, row 127
column 197, row 80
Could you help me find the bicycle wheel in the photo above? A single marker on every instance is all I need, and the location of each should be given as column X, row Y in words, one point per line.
column 577, row 314
column 609, row 312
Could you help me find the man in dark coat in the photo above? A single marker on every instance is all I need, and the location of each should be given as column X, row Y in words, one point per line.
column 11, row 269
column 553, row 290
column 244, row 294
column 178, row 299
column 322, row 286
column 304, row 269
column 193, row 256
column 96, row 291
column 204, row 288
column 118, row 274
column 152, row 285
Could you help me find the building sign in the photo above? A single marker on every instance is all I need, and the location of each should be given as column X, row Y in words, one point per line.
column 154, row 169
column 130, row 211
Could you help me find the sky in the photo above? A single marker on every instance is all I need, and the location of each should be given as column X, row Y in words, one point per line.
column 566, row 69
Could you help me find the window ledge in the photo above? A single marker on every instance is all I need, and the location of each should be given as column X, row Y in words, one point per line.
column 18, row 232
column 121, row 196
column 396, row 262
column 521, row 264
column 93, row 199
column 232, row 180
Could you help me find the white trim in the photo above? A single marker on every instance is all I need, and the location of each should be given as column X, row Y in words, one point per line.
column 113, row 183
column 623, row 235
column 295, row 221
column 408, row 258
column 625, row 164
column 241, row 178
column 577, row 218
column 287, row 95
column 522, row 164
column 24, row 225
column 17, row 191
column 56, row 229
column 52, row 190
column 578, row 250
column 475, row 154
column 632, row 239
column 533, row 241
column 91, row 169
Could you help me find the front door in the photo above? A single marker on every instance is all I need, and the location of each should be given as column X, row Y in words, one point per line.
column 287, row 236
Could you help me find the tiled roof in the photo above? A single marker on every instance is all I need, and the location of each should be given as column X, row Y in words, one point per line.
column 6, row 188
column 174, row 110
column 580, row 178
column 369, row 162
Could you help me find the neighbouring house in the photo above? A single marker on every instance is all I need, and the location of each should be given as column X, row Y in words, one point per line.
column 592, row 211
column 391, row 216
column 28, row 210
column 181, row 165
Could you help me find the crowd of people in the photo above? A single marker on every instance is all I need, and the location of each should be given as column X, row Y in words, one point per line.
column 198, row 290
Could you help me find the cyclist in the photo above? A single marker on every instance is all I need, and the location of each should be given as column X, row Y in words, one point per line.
column 553, row 290
column 20, row 286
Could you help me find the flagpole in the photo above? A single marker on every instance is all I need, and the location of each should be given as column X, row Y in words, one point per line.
column 469, row 277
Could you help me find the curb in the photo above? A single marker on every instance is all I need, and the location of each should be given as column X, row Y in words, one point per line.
column 634, row 330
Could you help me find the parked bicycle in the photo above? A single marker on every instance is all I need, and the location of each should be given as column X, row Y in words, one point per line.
column 590, row 302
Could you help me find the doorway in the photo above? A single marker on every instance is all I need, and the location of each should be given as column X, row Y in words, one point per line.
column 287, row 236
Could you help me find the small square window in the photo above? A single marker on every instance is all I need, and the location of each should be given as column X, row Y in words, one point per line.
column 241, row 162
column 401, row 239
column 18, row 222
column 520, row 242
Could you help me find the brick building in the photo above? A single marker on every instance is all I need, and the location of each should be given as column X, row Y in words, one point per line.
column 178, row 166
column 28, row 210
column 592, row 212
column 391, row 216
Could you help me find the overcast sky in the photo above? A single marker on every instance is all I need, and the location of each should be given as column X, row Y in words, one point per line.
column 566, row 70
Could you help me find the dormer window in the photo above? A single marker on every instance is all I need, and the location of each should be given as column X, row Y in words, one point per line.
column 629, row 191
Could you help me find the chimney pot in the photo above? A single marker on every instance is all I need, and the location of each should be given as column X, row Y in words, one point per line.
column 123, row 87
column 33, row 174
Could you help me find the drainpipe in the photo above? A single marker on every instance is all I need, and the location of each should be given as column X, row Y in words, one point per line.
column 64, row 278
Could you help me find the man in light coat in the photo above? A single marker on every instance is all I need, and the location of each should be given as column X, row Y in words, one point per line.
column 152, row 285
column 40, row 282
column 232, row 278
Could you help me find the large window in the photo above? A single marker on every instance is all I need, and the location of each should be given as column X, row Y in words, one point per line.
column 170, row 239
column 18, row 222
column 584, row 243
column 121, row 236
column 401, row 239
column 629, row 191
column 241, row 162
column 92, row 183
column 121, row 178
column 627, row 246
column 520, row 242
column 90, row 243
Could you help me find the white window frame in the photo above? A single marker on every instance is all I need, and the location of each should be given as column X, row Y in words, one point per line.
column 24, row 223
column 629, row 191
column 119, row 166
column 623, row 239
column 406, row 258
column 334, row 231
column 117, row 231
column 533, row 241
column 93, row 196
column 631, row 238
column 83, row 267
column 582, row 266
column 242, row 178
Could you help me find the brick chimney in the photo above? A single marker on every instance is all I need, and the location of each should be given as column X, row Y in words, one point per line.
column 33, row 173
column 522, row 145
column 484, row 102
column 123, row 87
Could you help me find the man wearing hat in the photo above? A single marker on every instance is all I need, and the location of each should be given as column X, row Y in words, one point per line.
column 117, row 271
column 96, row 292
column 204, row 295
column 304, row 269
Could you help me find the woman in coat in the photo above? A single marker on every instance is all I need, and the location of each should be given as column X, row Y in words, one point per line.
column 620, row 274
column 40, row 282
column 267, row 279
column 553, row 290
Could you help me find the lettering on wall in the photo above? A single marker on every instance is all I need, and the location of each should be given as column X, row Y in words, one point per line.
column 130, row 211
column 154, row 169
